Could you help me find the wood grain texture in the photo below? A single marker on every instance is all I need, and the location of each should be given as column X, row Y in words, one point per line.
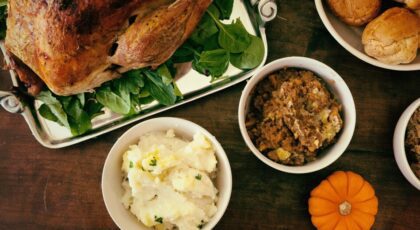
column 60, row 189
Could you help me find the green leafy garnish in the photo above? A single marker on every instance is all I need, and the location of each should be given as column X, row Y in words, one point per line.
column 73, row 112
column 198, row 177
column 158, row 219
column 232, row 37
column 214, row 45
column 153, row 162
column 131, row 164
column 116, row 103
column 251, row 57
column 200, row 226
column 159, row 90
column 226, row 7
column 214, row 62
column 53, row 109
column 206, row 28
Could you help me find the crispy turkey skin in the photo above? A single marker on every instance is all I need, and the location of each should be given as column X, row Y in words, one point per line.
column 74, row 46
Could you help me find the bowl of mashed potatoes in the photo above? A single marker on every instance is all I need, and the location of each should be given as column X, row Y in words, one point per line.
column 166, row 173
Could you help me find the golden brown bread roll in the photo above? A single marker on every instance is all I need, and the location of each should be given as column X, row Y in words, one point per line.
column 393, row 37
column 412, row 4
column 355, row 12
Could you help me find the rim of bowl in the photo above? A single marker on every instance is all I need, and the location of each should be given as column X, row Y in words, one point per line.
column 399, row 144
column 362, row 56
column 177, row 124
column 349, row 112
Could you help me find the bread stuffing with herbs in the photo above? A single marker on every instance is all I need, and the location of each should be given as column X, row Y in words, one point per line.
column 293, row 116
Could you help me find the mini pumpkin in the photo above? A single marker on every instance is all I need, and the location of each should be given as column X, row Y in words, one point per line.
column 343, row 201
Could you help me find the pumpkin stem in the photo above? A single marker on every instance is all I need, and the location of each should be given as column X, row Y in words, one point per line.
column 345, row 208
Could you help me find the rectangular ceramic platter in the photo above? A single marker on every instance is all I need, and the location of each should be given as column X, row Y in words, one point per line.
column 192, row 84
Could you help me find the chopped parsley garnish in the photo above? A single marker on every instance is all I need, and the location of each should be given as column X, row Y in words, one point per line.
column 131, row 164
column 153, row 162
column 159, row 219
column 198, row 177
column 200, row 226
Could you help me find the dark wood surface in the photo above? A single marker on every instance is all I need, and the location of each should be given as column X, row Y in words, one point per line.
column 60, row 189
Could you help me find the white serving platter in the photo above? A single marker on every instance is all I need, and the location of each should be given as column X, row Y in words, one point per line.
column 193, row 85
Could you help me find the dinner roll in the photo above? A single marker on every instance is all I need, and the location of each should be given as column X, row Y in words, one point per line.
column 412, row 4
column 393, row 37
column 355, row 12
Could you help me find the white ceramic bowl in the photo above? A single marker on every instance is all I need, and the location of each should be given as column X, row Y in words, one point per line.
column 335, row 84
column 350, row 38
column 112, row 176
column 399, row 144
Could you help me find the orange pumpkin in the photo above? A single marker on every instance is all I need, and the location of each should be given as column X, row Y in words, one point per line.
column 343, row 201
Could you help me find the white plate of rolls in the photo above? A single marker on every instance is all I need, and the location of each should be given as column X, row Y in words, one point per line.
column 384, row 37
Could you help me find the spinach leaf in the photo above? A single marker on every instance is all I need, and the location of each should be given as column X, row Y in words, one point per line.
column 214, row 62
column 158, row 90
column 122, row 89
column 131, row 82
column 251, row 57
column 69, row 111
column 146, row 100
column 55, row 107
column 93, row 107
column 212, row 43
column 165, row 74
column 178, row 92
column 113, row 101
column 79, row 120
column 46, row 112
column 226, row 7
column 206, row 28
column 232, row 37
column 81, row 124
column 81, row 98
column 184, row 54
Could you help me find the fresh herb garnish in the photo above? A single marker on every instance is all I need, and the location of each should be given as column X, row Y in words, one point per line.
column 164, row 93
column 200, row 226
column 232, row 37
column 159, row 219
column 73, row 112
column 214, row 45
column 198, row 177
column 214, row 62
column 153, row 162
column 226, row 7
column 251, row 57
column 131, row 165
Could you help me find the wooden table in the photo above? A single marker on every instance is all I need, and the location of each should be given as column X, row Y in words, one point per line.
column 60, row 189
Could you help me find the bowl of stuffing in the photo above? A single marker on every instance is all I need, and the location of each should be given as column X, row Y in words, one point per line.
column 297, row 115
column 166, row 173
column 407, row 143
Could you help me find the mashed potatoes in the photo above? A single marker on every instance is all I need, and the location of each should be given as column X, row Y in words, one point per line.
column 168, row 181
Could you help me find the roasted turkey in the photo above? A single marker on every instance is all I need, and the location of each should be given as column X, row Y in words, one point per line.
column 74, row 46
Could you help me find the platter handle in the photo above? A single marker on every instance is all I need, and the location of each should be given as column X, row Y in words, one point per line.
column 10, row 102
column 267, row 9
